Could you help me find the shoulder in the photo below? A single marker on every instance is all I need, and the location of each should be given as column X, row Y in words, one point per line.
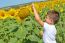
column 48, row 25
column 45, row 24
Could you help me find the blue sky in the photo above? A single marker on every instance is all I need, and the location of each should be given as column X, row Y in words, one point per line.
column 5, row 3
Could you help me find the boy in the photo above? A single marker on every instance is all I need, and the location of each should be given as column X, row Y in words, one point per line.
column 49, row 28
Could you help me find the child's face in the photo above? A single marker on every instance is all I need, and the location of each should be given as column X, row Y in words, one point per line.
column 48, row 20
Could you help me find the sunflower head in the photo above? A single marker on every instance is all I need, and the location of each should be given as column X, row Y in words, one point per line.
column 23, row 12
column 12, row 12
column 2, row 14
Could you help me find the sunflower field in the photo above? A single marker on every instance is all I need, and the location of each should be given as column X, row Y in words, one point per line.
column 19, row 25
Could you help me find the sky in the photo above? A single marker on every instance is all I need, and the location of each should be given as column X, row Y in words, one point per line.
column 5, row 3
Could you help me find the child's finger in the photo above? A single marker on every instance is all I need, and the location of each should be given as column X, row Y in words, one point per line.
column 32, row 4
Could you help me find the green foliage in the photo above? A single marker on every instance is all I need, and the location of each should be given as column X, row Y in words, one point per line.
column 13, row 32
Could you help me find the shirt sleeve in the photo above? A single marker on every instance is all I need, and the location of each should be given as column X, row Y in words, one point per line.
column 45, row 26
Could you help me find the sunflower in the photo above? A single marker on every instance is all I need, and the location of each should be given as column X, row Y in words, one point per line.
column 3, row 14
column 12, row 13
column 23, row 12
column 16, row 16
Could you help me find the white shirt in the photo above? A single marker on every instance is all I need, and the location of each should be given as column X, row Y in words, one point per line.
column 49, row 33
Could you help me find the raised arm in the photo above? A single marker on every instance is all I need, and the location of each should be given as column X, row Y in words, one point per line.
column 37, row 16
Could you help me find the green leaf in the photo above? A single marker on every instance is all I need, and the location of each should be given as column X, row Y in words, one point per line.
column 13, row 40
column 36, row 31
column 21, row 33
column 33, row 38
column 1, row 41
column 40, row 41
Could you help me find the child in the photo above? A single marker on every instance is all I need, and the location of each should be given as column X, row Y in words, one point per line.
column 49, row 28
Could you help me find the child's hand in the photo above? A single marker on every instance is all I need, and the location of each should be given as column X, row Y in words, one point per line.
column 32, row 4
column 33, row 7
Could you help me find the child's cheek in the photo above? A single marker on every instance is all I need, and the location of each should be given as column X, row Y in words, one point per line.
column 48, row 21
